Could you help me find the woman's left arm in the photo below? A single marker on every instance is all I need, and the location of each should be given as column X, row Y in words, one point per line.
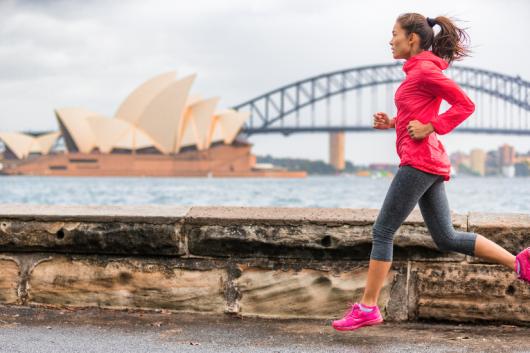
column 441, row 86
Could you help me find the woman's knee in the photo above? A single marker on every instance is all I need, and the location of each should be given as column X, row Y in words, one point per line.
column 444, row 236
column 445, row 244
column 381, row 233
column 382, row 242
column 454, row 241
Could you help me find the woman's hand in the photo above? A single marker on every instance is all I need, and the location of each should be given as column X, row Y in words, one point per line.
column 418, row 131
column 382, row 121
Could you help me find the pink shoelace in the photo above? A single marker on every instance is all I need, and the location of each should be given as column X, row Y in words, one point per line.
column 350, row 311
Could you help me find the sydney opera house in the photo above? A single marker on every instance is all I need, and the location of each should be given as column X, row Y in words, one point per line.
column 160, row 129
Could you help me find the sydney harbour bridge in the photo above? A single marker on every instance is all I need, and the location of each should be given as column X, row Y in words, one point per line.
column 344, row 101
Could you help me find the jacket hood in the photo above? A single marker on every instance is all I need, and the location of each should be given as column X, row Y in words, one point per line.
column 425, row 55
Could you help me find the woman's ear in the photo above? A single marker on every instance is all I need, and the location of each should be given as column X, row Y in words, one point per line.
column 411, row 38
column 414, row 38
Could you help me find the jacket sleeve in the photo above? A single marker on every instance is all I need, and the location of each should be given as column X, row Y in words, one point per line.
column 462, row 107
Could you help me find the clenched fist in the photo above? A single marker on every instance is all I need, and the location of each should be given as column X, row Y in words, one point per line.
column 417, row 130
column 382, row 121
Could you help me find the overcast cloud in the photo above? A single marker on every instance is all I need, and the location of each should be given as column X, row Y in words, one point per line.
column 93, row 53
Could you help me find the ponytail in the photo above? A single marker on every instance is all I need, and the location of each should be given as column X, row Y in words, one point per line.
column 452, row 42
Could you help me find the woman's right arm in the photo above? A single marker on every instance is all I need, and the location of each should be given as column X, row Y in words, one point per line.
column 382, row 121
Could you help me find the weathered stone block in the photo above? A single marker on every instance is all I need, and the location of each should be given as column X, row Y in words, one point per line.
column 397, row 307
column 91, row 238
column 467, row 292
column 287, row 215
column 310, row 239
column 219, row 215
column 302, row 293
column 9, row 280
column 126, row 283
column 85, row 213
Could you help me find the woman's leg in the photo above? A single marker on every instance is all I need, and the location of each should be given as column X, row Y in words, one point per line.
column 405, row 190
column 486, row 249
column 437, row 215
column 377, row 271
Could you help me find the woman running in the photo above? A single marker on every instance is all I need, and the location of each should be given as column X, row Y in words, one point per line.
column 424, row 164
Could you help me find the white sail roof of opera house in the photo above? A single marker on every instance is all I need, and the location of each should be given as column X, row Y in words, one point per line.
column 196, row 123
column 135, row 139
column 74, row 125
column 115, row 133
column 160, row 113
column 46, row 141
column 229, row 122
column 135, row 104
column 162, row 117
column 22, row 145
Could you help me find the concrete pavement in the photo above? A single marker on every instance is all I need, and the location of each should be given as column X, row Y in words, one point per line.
column 94, row 330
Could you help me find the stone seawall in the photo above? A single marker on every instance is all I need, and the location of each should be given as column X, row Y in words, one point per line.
column 267, row 262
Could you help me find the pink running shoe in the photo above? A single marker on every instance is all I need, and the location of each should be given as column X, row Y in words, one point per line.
column 355, row 318
column 522, row 265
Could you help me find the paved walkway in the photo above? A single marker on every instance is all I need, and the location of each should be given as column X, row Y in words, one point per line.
column 87, row 331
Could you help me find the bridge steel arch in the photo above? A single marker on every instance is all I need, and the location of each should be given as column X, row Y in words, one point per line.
column 273, row 106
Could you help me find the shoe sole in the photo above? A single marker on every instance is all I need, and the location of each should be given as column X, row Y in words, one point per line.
column 365, row 323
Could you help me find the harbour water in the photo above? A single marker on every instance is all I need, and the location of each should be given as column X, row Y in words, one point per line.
column 487, row 194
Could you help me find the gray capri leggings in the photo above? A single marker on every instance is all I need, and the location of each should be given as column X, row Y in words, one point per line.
column 409, row 187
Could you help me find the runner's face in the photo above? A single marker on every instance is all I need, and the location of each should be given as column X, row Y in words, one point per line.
column 401, row 43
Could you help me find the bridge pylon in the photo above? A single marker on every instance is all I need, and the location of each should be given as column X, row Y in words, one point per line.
column 337, row 149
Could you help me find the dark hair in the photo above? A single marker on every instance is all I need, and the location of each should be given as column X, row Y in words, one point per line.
column 451, row 43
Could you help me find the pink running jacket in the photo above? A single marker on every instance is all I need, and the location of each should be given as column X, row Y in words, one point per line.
column 418, row 98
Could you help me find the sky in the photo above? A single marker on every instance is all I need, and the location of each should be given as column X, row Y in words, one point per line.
column 92, row 53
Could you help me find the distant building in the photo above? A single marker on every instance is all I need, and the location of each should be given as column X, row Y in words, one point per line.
column 506, row 155
column 522, row 159
column 478, row 161
column 457, row 159
column 507, row 160
column 508, row 171
column 501, row 161
column 492, row 163
column 522, row 164
column 522, row 169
